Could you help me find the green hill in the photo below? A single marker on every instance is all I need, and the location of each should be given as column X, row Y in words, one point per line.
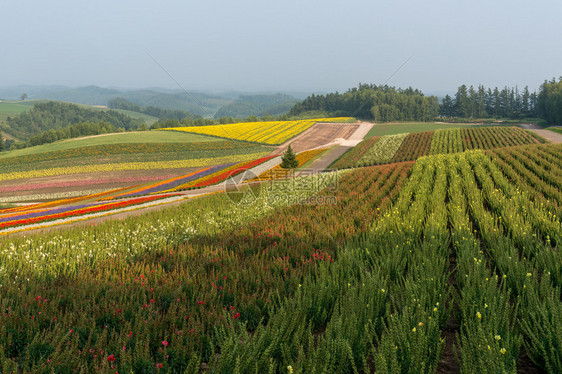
column 45, row 116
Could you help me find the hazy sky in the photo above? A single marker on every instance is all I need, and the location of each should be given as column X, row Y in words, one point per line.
column 302, row 45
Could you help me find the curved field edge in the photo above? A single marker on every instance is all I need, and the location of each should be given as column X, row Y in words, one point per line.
column 378, row 301
column 149, row 165
column 251, row 126
column 108, row 139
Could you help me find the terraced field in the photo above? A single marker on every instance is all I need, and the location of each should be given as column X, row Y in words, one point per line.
column 272, row 132
column 409, row 147
column 448, row 262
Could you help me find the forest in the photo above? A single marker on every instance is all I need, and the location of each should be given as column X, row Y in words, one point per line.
column 372, row 102
column 482, row 102
column 549, row 104
column 56, row 115
column 68, row 132
column 160, row 113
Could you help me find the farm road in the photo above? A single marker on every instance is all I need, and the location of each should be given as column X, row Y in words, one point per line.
column 551, row 136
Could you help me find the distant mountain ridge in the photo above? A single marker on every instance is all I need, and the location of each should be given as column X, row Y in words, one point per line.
column 201, row 104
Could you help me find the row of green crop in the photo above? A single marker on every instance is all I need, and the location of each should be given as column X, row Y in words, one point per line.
column 352, row 157
column 305, row 289
column 194, row 262
column 409, row 147
column 533, row 185
column 379, row 307
column 334, row 328
column 414, row 146
column 517, row 236
column 459, row 140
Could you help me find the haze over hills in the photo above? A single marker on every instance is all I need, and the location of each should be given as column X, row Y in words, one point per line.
column 203, row 104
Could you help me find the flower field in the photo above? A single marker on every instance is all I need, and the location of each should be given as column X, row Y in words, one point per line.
column 362, row 271
column 119, row 149
column 459, row 140
column 201, row 178
column 50, row 196
column 111, row 167
column 413, row 147
column 351, row 158
column 80, row 183
column 28, row 218
column 272, row 132
column 171, row 183
column 129, row 153
column 278, row 172
column 382, row 151
column 221, row 175
column 409, row 147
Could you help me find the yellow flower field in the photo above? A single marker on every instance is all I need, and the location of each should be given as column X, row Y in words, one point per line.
column 270, row 132
column 177, row 164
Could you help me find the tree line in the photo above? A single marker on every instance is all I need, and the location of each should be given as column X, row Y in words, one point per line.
column 372, row 102
column 482, row 102
column 73, row 131
column 160, row 113
column 56, row 115
column 549, row 104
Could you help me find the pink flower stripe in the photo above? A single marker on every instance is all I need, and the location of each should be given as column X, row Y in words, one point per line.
column 41, row 186
column 82, row 211
column 153, row 186
column 60, row 202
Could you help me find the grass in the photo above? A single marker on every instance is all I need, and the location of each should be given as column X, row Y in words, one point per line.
column 555, row 129
column 412, row 127
column 148, row 120
column 118, row 138
column 13, row 108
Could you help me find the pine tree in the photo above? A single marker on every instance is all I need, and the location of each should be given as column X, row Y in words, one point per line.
column 289, row 159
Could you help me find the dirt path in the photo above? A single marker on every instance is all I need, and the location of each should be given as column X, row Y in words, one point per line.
column 326, row 159
column 551, row 136
column 339, row 146
column 318, row 136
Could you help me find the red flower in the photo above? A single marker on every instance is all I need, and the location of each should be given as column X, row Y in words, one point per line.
column 165, row 343
column 111, row 358
column 159, row 366
column 237, row 315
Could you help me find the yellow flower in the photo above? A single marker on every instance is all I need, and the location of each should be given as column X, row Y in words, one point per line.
column 497, row 337
column 290, row 369
column 502, row 351
column 478, row 315
column 414, row 329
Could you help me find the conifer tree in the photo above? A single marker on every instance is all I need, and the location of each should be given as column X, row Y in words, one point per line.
column 289, row 159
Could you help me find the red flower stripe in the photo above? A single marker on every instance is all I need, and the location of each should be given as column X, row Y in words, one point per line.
column 221, row 177
column 79, row 212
